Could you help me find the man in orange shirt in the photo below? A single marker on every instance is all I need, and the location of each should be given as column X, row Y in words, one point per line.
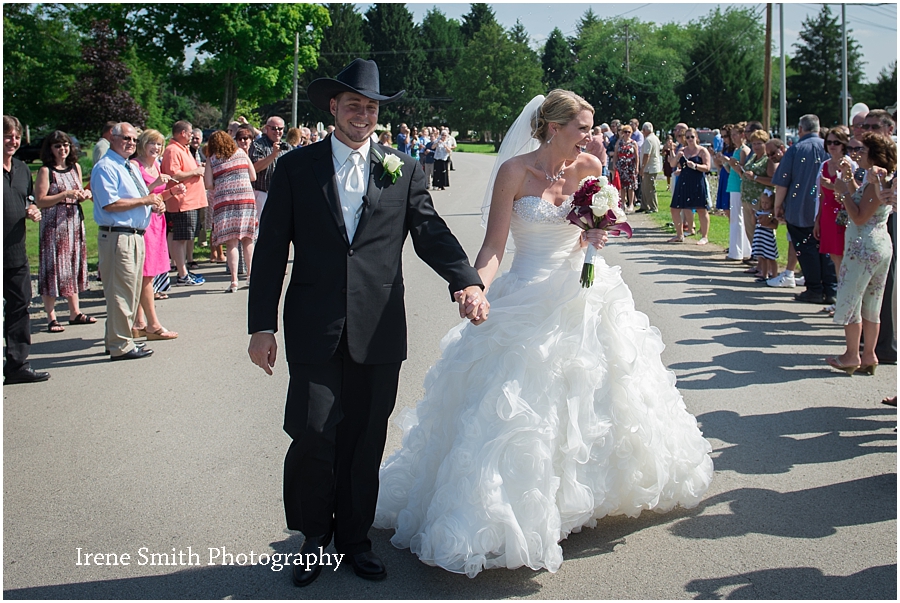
column 181, row 210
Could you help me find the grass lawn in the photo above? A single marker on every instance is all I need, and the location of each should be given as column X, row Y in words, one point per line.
column 718, row 225
column 485, row 148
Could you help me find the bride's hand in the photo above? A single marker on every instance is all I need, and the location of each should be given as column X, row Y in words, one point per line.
column 596, row 237
column 472, row 304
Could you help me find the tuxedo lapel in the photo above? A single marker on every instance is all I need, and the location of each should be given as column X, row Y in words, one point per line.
column 323, row 167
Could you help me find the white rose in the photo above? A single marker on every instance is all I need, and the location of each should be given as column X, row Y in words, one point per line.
column 602, row 181
column 391, row 163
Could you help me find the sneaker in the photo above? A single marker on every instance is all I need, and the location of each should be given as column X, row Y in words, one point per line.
column 800, row 280
column 782, row 280
column 188, row 279
column 197, row 278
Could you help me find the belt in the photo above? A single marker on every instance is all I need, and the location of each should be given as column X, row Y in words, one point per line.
column 137, row 231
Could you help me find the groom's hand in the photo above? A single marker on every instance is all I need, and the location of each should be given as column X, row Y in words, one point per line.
column 472, row 304
column 263, row 350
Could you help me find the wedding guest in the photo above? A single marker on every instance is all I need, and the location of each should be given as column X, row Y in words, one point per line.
column 628, row 165
column 414, row 143
column 830, row 223
column 441, row 148
column 63, row 252
column 753, row 168
column 196, row 149
column 765, row 248
column 18, row 205
column 102, row 145
column 293, row 137
column 156, row 251
column 385, row 139
column 796, row 187
column 403, row 140
column 427, row 159
column 650, row 159
column 265, row 153
column 868, row 252
column 597, row 148
column 230, row 175
column 668, row 154
column 691, row 188
column 738, row 243
column 723, row 198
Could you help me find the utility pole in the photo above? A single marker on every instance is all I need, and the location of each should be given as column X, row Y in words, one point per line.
column 627, row 56
column 845, row 119
column 782, row 112
column 767, row 72
column 296, row 68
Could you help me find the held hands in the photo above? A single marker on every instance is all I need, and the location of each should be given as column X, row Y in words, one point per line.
column 156, row 203
column 472, row 304
column 263, row 349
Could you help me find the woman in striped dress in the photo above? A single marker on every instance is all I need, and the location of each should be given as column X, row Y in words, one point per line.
column 63, row 253
column 229, row 174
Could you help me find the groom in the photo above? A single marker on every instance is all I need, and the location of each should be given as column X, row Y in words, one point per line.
column 347, row 210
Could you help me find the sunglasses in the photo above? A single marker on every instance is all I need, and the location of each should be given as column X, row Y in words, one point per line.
column 276, row 128
column 854, row 149
column 870, row 126
column 244, row 138
column 833, row 143
column 128, row 138
column 774, row 154
column 60, row 145
column 690, row 137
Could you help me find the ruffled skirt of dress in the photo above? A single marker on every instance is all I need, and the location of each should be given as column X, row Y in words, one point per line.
column 555, row 412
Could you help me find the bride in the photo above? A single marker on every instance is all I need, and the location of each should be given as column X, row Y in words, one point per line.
column 558, row 410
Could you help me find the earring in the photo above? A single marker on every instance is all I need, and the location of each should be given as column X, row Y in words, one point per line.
column 551, row 138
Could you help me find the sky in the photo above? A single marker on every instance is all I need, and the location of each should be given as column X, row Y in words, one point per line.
column 874, row 25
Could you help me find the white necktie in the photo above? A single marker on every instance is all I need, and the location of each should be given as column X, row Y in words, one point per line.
column 355, row 182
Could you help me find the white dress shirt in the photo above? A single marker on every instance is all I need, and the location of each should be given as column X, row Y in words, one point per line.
column 351, row 202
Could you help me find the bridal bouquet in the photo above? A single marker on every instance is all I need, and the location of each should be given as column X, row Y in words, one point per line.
column 596, row 205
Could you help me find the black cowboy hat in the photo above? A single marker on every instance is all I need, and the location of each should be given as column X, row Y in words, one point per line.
column 359, row 76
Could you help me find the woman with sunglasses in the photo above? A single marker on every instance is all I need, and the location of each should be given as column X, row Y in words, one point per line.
column 829, row 228
column 690, row 187
column 867, row 255
column 628, row 164
column 59, row 193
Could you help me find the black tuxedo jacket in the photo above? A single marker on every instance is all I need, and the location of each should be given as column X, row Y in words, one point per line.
column 336, row 285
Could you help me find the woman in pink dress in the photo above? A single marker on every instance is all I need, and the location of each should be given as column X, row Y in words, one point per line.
column 156, row 259
column 63, row 253
column 230, row 175
column 826, row 229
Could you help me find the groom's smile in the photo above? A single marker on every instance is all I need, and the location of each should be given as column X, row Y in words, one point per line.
column 355, row 118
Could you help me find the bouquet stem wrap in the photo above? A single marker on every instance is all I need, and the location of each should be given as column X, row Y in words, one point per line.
column 587, row 270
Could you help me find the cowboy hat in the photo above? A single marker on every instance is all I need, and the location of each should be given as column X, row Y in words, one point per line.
column 359, row 76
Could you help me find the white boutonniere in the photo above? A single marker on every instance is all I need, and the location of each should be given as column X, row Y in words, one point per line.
column 391, row 165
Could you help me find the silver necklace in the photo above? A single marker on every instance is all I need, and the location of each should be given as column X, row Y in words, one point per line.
column 552, row 178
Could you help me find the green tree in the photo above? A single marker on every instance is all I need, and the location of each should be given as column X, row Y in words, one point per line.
column 342, row 41
column 495, row 78
column 479, row 15
column 817, row 86
column 443, row 45
column 723, row 79
column 558, row 61
column 883, row 92
column 41, row 60
column 395, row 45
column 97, row 96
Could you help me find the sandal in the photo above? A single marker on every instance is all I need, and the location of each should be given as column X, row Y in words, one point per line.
column 192, row 265
column 54, row 327
column 138, row 332
column 676, row 240
column 159, row 296
column 82, row 319
column 703, row 241
column 162, row 335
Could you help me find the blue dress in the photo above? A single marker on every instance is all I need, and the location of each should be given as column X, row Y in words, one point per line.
column 690, row 189
column 723, row 200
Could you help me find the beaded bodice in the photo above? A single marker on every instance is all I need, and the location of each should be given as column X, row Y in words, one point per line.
column 544, row 239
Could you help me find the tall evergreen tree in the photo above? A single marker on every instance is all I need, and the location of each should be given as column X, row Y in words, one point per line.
column 883, row 93
column 816, row 88
column 723, row 79
column 479, row 15
column 558, row 61
column 495, row 78
column 443, row 44
column 342, row 41
column 394, row 43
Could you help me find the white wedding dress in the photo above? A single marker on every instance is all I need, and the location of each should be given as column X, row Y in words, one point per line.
column 555, row 412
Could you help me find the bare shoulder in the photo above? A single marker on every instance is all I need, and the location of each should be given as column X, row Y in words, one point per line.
column 586, row 165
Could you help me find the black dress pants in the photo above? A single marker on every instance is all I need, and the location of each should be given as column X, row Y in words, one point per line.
column 17, row 295
column 337, row 415
column 818, row 269
column 885, row 347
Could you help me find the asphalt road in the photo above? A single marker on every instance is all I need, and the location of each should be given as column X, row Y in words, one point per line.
column 182, row 452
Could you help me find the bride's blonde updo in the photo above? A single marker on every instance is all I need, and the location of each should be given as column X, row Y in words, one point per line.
column 560, row 107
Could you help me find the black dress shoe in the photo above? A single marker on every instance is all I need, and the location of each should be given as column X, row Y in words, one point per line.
column 133, row 354
column 303, row 575
column 367, row 565
column 810, row 297
column 829, row 299
column 25, row 375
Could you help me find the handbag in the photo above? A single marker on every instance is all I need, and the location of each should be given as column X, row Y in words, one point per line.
column 842, row 218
